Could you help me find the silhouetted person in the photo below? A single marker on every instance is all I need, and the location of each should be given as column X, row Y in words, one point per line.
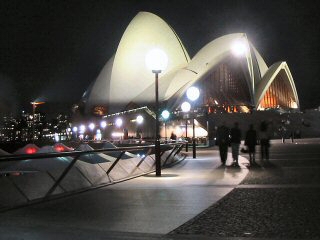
column 223, row 141
column 235, row 139
column 251, row 142
column 264, row 141
column 173, row 136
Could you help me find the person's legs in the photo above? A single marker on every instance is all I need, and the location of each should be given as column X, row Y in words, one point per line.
column 223, row 149
column 267, row 152
column 235, row 151
column 262, row 150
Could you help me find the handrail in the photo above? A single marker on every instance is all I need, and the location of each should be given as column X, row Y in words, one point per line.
column 75, row 156
column 17, row 157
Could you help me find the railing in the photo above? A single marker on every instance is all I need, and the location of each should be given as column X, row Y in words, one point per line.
column 131, row 163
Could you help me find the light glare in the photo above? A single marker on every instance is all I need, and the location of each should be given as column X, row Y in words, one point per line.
column 193, row 93
column 139, row 119
column 156, row 60
column 165, row 114
column 185, row 107
column 119, row 122
column 91, row 126
column 239, row 48
column 103, row 124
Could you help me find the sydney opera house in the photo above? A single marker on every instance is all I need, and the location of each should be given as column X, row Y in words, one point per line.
column 229, row 72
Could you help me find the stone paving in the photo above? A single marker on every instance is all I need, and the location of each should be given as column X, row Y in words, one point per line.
column 277, row 199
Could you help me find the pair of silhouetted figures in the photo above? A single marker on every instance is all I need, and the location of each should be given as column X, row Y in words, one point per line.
column 232, row 137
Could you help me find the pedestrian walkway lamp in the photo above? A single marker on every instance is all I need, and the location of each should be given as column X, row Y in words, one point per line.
column 193, row 94
column 75, row 131
column 185, row 107
column 103, row 125
column 156, row 61
column 165, row 115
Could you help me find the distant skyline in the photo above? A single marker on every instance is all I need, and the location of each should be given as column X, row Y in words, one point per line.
column 53, row 50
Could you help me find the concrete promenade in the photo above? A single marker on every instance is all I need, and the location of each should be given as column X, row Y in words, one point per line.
column 194, row 199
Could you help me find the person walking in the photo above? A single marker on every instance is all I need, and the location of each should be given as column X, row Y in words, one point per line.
column 235, row 139
column 251, row 142
column 223, row 142
column 264, row 141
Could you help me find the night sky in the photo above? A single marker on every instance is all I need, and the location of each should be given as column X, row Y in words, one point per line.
column 53, row 50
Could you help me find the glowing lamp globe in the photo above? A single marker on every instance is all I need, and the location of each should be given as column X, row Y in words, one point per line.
column 165, row 114
column 156, row 60
column 82, row 128
column 103, row 124
column 139, row 119
column 118, row 122
column 91, row 126
column 193, row 93
column 185, row 107
column 239, row 48
column 75, row 129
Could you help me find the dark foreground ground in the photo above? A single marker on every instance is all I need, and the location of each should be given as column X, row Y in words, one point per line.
column 277, row 199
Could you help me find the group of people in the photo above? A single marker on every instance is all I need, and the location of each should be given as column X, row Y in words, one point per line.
column 232, row 137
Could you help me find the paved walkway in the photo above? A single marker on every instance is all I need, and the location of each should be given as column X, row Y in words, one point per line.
column 196, row 199
column 143, row 208
column 277, row 199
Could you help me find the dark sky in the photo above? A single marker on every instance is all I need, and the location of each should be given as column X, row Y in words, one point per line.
column 55, row 49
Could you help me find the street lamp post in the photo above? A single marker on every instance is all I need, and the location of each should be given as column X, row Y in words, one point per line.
column 75, row 131
column 193, row 94
column 165, row 115
column 156, row 61
column 103, row 125
column 185, row 107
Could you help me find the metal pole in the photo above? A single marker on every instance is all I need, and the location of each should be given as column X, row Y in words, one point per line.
column 187, row 135
column 193, row 140
column 157, row 143
column 165, row 131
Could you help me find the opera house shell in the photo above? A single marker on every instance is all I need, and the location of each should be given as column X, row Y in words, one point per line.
column 229, row 71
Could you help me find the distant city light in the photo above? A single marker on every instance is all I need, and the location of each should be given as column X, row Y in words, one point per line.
column 75, row 129
column 139, row 119
column 56, row 137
